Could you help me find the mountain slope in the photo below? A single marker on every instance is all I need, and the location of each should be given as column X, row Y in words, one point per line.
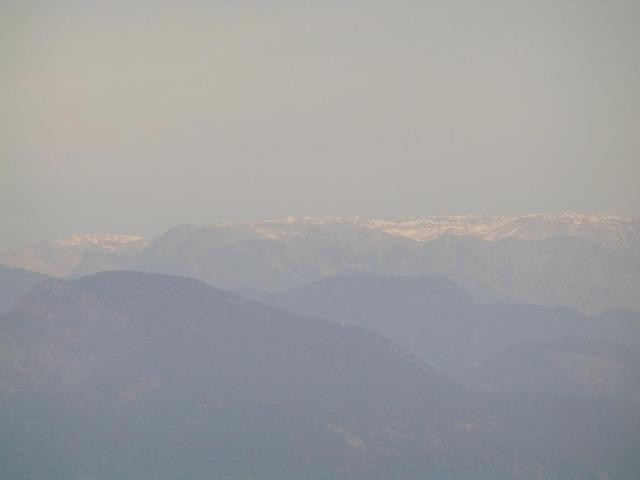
column 569, row 368
column 119, row 368
column 14, row 283
column 140, row 376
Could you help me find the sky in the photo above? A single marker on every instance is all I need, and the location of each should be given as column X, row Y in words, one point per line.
column 130, row 117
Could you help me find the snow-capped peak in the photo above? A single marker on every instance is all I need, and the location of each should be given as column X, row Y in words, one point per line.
column 100, row 239
column 599, row 227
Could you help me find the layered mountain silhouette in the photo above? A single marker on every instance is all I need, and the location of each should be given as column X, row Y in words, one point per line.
column 145, row 376
column 588, row 262
column 433, row 317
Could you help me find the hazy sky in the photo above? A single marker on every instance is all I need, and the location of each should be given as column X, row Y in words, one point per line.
column 134, row 116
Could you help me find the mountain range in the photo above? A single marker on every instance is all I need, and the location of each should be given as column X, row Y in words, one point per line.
column 588, row 262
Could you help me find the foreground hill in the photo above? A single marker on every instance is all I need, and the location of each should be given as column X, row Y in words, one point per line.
column 436, row 319
column 587, row 262
column 141, row 376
